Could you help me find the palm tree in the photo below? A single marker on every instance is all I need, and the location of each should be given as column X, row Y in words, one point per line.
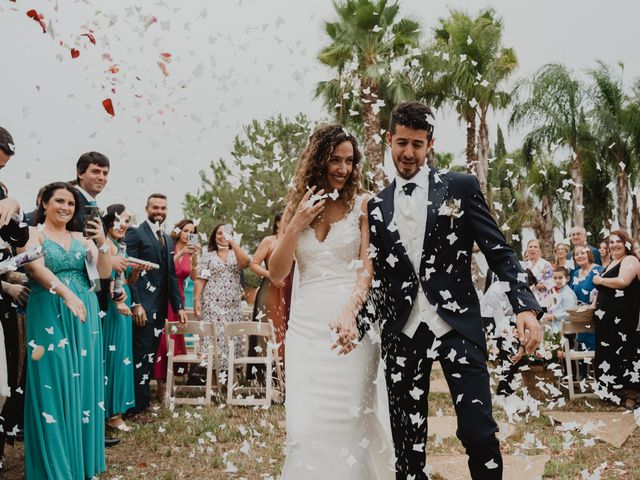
column 545, row 196
column 369, row 48
column 554, row 104
column 616, row 128
column 465, row 67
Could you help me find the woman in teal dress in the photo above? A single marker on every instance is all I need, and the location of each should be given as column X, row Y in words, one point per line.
column 117, row 328
column 64, row 396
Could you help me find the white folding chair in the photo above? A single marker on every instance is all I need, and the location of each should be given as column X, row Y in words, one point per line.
column 580, row 321
column 208, row 359
column 270, row 360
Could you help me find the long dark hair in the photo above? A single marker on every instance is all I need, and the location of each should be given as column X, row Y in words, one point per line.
column 109, row 219
column 276, row 227
column 312, row 168
column 212, row 246
column 177, row 230
column 47, row 193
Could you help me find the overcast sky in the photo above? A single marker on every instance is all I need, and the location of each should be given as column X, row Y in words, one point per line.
column 231, row 62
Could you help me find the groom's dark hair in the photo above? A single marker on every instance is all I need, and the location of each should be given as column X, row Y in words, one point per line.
column 414, row 115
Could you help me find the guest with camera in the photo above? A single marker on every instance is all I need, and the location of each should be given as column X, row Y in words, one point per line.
column 185, row 258
column 217, row 295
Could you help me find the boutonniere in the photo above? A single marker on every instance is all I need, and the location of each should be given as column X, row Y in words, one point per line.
column 451, row 208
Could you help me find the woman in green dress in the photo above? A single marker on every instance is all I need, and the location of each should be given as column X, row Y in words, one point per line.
column 116, row 325
column 64, row 396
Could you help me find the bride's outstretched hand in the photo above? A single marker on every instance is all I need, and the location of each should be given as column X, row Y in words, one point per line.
column 310, row 206
column 345, row 333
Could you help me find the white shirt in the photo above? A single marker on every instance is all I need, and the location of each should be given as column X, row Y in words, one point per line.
column 155, row 228
column 86, row 194
column 411, row 219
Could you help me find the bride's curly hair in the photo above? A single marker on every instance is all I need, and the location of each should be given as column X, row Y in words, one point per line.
column 312, row 168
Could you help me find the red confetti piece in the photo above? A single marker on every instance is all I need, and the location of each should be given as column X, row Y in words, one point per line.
column 165, row 55
column 108, row 106
column 38, row 17
column 75, row 53
column 90, row 36
column 113, row 69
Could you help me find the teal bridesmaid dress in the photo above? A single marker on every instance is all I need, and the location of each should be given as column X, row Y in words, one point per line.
column 64, row 396
column 119, row 395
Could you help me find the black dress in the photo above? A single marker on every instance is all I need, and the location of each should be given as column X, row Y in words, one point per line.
column 616, row 336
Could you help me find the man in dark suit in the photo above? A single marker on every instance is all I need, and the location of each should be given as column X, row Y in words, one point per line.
column 152, row 293
column 92, row 175
column 423, row 226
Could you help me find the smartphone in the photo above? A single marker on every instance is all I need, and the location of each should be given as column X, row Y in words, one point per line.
column 91, row 212
column 228, row 231
column 192, row 238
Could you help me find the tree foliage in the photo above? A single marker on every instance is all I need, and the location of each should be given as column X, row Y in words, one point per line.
column 248, row 189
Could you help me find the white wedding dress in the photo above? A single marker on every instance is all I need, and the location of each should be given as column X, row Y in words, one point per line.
column 334, row 428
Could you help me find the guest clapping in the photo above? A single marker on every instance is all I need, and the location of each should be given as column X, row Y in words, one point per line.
column 186, row 251
column 64, row 416
column 217, row 294
column 617, row 308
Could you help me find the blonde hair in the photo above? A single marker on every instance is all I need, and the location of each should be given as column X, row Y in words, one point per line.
column 312, row 168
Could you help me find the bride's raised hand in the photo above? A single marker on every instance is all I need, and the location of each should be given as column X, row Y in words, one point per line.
column 346, row 333
column 308, row 209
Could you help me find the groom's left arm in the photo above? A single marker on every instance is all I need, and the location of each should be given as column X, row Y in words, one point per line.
column 502, row 259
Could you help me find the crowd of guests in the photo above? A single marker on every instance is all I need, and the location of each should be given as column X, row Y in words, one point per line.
column 604, row 280
column 82, row 334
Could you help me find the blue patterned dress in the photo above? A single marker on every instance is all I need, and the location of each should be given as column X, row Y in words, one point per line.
column 64, row 397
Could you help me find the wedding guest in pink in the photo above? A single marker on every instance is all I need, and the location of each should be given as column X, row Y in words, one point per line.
column 185, row 257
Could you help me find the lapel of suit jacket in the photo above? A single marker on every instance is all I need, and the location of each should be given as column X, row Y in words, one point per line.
column 438, row 185
column 388, row 210
column 153, row 239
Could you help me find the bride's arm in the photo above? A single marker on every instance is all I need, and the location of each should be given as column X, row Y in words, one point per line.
column 345, row 325
column 281, row 259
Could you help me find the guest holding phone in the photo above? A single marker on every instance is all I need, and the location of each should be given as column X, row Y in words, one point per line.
column 218, row 293
column 185, row 257
column 92, row 175
column 64, row 398
column 117, row 324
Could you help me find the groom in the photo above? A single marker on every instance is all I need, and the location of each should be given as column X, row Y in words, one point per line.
column 423, row 226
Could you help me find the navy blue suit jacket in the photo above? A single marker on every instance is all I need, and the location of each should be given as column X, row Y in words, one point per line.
column 157, row 287
column 445, row 267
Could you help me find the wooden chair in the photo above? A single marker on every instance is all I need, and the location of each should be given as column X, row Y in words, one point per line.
column 270, row 360
column 580, row 321
column 209, row 359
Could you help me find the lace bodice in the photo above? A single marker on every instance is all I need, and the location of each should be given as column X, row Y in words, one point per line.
column 68, row 266
column 337, row 255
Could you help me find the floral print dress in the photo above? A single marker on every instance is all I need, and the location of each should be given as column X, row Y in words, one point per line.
column 220, row 299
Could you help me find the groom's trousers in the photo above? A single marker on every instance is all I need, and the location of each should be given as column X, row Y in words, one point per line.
column 408, row 367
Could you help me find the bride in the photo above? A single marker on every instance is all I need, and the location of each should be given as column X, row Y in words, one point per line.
column 333, row 428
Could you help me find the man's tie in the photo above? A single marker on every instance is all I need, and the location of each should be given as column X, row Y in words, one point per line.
column 160, row 238
column 408, row 188
column 92, row 203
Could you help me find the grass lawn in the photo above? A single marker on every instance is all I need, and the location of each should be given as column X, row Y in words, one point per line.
column 220, row 442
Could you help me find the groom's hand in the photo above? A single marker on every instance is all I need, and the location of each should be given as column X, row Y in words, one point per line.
column 529, row 331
